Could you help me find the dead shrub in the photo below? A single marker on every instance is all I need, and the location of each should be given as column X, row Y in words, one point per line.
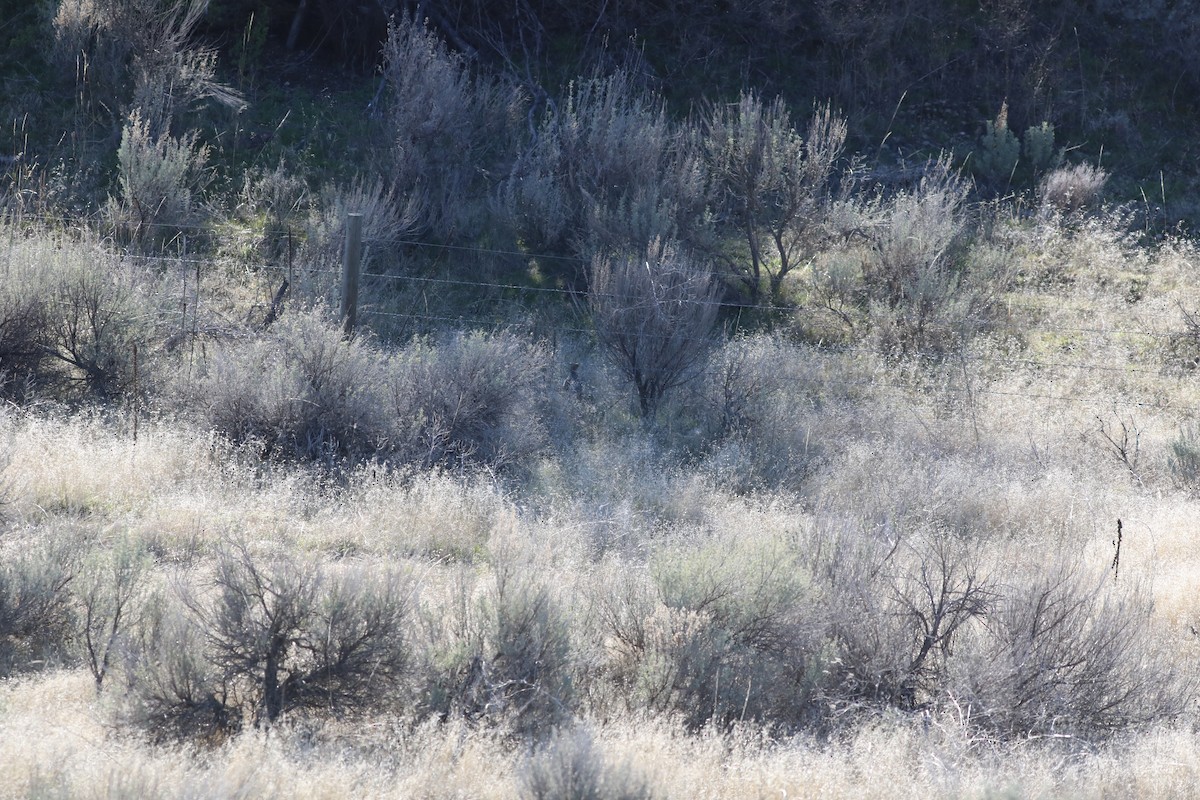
column 1066, row 651
column 653, row 317
column 275, row 635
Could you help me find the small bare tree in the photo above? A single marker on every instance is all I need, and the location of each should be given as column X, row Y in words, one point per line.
column 653, row 316
column 773, row 185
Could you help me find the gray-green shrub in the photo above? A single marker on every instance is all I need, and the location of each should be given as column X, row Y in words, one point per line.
column 606, row 172
column 300, row 389
column 97, row 318
column 71, row 314
column 502, row 655
column 731, row 629
column 23, row 322
column 470, row 398
column 756, row 407
column 1067, row 651
column 141, row 55
column 387, row 217
column 37, row 617
column 107, row 591
column 160, row 177
column 174, row 690
column 1183, row 461
column 451, row 130
column 931, row 289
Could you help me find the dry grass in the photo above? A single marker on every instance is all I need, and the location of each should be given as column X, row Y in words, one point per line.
column 54, row 743
column 1024, row 449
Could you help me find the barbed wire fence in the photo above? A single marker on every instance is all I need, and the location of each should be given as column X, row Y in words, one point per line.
column 192, row 272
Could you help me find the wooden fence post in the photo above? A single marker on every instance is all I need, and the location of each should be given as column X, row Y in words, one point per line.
column 351, row 267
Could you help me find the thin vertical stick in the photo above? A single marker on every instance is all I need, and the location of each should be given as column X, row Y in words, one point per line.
column 1116, row 565
column 134, row 400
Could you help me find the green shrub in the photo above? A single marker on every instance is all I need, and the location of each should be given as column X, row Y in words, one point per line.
column 1038, row 148
column 999, row 150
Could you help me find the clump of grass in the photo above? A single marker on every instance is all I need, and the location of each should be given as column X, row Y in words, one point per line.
column 1072, row 189
column 570, row 765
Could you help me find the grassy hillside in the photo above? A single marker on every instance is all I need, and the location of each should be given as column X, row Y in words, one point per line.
column 691, row 443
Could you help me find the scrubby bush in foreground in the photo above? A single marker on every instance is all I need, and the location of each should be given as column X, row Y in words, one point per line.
column 303, row 390
column 274, row 635
column 71, row 316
